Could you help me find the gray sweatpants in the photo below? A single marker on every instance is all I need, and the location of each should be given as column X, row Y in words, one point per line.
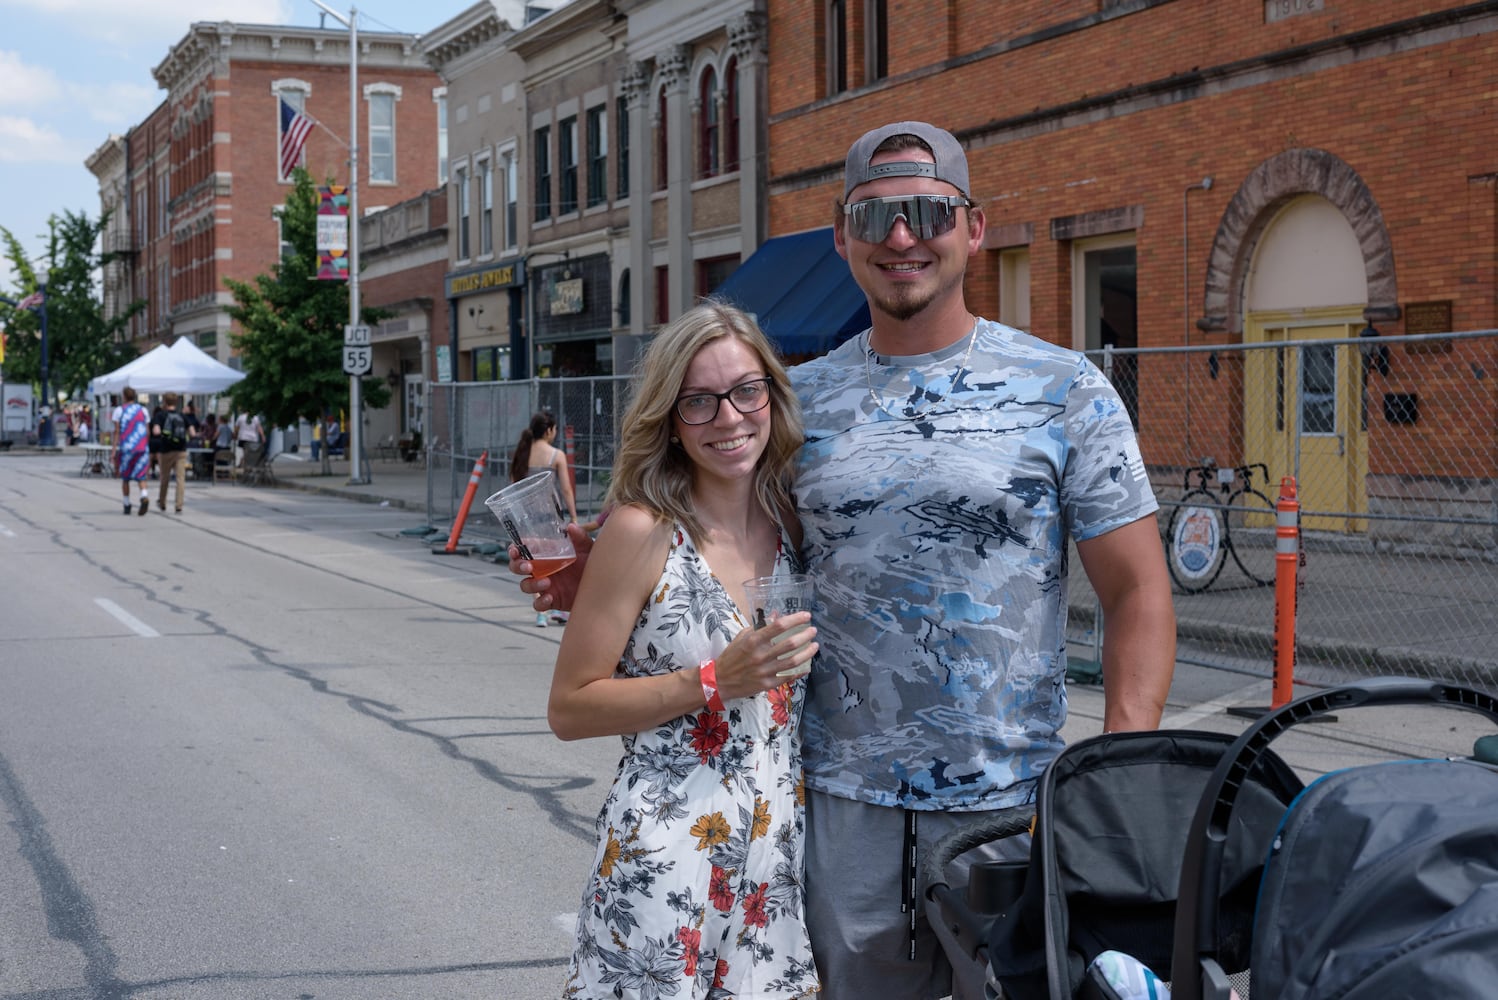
column 855, row 867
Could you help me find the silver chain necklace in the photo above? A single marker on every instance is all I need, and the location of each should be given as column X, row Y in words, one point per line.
column 868, row 374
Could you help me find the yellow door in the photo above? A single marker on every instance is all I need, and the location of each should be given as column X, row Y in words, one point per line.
column 1304, row 417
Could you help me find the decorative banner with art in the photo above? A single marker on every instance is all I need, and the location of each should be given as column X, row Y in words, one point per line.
column 332, row 233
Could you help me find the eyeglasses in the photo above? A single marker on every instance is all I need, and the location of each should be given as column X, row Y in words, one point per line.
column 746, row 397
column 927, row 215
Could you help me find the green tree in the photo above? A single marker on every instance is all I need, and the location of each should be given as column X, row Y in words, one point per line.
column 81, row 342
column 290, row 337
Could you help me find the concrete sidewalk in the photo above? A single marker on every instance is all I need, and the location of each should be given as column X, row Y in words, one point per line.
column 393, row 483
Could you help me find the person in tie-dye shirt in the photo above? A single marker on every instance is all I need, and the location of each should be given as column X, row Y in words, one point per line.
column 132, row 436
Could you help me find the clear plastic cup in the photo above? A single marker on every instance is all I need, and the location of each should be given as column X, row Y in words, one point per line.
column 536, row 521
column 770, row 597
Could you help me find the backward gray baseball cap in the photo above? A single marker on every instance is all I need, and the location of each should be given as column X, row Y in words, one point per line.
column 950, row 165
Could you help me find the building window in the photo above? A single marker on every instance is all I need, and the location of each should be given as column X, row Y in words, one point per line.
column 624, row 298
column 163, row 195
column 661, row 169
column 486, row 207
column 875, row 40
column 286, row 249
column 382, row 138
column 460, row 184
column 713, row 271
column 662, row 295
column 707, row 127
column 731, row 123
column 543, row 173
column 567, row 140
column 1105, row 298
column 440, row 96
column 598, row 155
column 1014, row 288
column 621, row 172
column 837, row 46
column 512, row 199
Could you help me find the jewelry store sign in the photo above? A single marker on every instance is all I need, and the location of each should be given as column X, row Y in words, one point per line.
column 503, row 276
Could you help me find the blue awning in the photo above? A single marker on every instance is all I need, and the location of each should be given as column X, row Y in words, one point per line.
column 800, row 291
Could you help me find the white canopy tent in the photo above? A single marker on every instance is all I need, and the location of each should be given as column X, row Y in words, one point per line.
column 103, row 385
column 183, row 368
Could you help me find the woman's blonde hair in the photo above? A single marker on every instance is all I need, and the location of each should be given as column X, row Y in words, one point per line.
column 652, row 472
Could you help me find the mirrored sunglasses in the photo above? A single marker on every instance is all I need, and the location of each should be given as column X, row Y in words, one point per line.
column 927, row 215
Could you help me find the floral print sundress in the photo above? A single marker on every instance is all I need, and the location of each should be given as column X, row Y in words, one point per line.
column 697, row 890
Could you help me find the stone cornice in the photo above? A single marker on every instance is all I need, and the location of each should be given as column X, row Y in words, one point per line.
column 208, row 46
column 471, row 30
column 108, row 158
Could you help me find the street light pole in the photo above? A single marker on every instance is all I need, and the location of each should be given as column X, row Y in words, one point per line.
column 357, row 472
column 44, row 436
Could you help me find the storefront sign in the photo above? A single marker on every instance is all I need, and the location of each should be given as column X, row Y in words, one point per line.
column 566, row 297
column 504, row 276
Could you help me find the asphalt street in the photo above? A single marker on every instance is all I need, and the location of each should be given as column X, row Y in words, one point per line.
column 276, row 747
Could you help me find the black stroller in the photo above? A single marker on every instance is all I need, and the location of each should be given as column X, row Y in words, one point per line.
column 1402, row 879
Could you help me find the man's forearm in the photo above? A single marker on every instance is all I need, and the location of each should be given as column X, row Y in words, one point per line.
column 1139, row 645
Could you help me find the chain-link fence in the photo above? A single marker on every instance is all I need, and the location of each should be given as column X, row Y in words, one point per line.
column 469, row 418
column 1392, row 442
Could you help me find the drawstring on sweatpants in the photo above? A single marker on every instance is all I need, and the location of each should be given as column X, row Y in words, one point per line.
column 908, row 894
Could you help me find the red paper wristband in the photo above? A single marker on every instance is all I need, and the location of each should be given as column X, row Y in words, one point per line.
column 707, row 673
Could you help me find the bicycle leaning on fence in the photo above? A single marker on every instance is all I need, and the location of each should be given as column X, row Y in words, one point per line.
column 1207, row 526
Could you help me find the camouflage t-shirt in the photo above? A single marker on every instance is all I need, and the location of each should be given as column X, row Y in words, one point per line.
column 936, row 531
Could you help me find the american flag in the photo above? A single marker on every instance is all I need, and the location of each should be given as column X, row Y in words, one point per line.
column 31, row 301
column 295, row 127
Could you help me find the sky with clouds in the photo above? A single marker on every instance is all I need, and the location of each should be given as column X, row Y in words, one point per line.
column 73, row 72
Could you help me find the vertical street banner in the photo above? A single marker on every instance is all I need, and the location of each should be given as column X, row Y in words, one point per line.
column 332, row 233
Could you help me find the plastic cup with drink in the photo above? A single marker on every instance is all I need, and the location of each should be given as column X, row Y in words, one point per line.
column 770, row 597
column 536, row 521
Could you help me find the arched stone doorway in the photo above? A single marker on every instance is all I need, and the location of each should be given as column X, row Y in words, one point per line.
column 1302, row 257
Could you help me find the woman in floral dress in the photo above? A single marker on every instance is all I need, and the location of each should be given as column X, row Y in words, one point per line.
column 697, row 886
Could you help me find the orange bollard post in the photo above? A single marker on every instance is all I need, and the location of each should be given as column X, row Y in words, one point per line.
column 468, row 495
column 1286, row 566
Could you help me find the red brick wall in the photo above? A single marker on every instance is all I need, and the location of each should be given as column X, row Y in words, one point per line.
column 1413, row 122
column 411, row 283
column 251, row 155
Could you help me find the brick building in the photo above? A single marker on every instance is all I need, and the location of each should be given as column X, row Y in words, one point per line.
column 1219, row 175
column 203, row 171
column 403, row 257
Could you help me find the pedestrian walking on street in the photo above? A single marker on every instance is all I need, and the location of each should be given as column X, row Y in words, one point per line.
column 171, row 435
column 132, row 440
column 697, row 886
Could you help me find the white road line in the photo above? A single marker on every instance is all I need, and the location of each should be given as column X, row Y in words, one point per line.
column 131, row 622
column 6, row 532
column 1189, row 717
